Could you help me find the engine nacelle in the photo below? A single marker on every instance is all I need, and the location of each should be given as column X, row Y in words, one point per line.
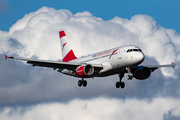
column 85, row 70
column 141, row 72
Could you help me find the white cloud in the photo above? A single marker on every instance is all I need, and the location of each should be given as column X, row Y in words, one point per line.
column 96, row 109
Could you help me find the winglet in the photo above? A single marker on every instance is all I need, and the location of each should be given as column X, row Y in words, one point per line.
column 6, row 57
column 173, row 65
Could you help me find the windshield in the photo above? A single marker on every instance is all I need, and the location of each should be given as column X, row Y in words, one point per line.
column 135, row 50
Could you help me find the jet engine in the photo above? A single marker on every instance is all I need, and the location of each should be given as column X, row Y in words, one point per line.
column 85, row 70
column 141, row 72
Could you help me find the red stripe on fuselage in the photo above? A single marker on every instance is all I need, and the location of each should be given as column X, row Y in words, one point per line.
column 70, row 56
column 62, row 34
column 113, row 53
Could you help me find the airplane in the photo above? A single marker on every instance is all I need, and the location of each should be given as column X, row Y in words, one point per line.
column 120, row 60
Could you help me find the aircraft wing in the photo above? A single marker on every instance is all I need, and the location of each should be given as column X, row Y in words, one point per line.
column 52, row 64
column 154, row 67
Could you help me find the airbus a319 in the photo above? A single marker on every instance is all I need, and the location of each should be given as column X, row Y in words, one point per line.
column 120, row 60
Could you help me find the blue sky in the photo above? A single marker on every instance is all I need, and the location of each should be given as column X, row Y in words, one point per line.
column 165, row 12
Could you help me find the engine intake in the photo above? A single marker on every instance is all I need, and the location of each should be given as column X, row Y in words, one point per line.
column 141, row 72
column 85, row 70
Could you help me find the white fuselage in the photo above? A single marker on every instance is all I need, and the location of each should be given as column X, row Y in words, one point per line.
column 113, row 61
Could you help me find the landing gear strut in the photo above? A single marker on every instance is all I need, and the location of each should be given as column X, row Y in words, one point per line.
column 130, row 76
column 82, row 82
column 120, row 83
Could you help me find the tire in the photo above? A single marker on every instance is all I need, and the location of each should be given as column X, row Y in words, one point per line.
column 117, row 84
column 122, row 84
column 129, row 77
column 80, row 83
column 84, row 83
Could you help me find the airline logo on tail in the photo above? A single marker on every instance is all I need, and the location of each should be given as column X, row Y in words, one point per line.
column 63, row 46
column 67, row 52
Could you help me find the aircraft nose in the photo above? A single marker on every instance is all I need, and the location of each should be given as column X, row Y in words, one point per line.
column 140, row 57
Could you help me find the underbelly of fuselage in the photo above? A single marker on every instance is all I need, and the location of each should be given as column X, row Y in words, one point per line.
column 111, row 72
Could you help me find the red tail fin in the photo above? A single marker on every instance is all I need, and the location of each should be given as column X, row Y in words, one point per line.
column 67, row 52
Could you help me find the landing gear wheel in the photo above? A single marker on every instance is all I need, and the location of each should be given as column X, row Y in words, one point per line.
column 80, row 83
column 129, row 77
column 84, row 83
column 122, row 84
column 117, row 84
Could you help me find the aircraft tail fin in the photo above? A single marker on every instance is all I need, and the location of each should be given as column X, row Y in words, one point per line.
column 67, row 52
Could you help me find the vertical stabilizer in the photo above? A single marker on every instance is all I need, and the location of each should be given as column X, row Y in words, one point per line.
column 67, row 52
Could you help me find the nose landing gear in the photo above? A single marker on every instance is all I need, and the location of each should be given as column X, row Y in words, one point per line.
column 130, row 76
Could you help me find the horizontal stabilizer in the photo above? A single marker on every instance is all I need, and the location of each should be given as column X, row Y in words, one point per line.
column 6, row 57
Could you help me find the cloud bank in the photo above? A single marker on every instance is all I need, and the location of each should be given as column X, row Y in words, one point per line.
column 36, row 36
column 98, row 109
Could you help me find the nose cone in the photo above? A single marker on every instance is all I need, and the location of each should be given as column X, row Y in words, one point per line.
column 140, row 57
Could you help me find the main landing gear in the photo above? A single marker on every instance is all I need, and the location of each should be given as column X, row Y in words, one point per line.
column 82, row 82
column 120, row 83
column 121, row 75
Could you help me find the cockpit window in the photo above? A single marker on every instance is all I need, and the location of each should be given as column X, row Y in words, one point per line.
column 135, row 50
column 129, row 50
